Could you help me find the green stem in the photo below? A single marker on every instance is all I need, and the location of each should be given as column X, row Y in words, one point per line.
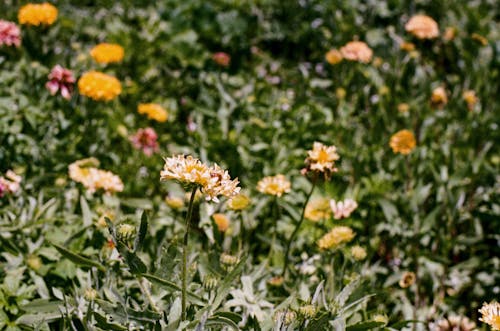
column 185, row 253
column 297, row 227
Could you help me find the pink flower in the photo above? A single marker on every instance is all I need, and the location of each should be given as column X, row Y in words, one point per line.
column 10, row 183
column 9, row 34
column 61, row 79
column 222, row 59
column 145, row 139
column 343, row 209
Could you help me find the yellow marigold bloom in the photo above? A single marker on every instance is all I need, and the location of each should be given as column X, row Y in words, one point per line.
column 99, row 86
column 93, row 179
column 407, row 279
column 403, row 142
column 107, row 53
column 439, row 98
column 322, row 158
column 407, row 46
column 221, row 221
column 491, row 314
column 333, row 56
column 337, row 236
column 357, row 51
column 238, row 202
column 470, row 98
column 422, row 27
column 318, row 209
column 37, row 14
column 153, row 111
column 358, row 253
column 274, row 185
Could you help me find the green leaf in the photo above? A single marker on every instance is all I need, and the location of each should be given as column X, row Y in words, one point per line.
column 134, row 263
column 86, row 213
column 78, row 259
column 194, row 299
column 364, row 326
column 42, row 306
column 103, row 323
column 320, row 323
column 221, row 321
column 143, row 229
column 226, row 283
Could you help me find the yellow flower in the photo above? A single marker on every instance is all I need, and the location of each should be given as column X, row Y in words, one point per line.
column 470, row 98
column 480, row 39
column 358, row 253
column 274, row 185
column 107, row 53
column 333, row 56
column 380, row 318
column 422, row 27
column 221, row 221
column 154, row 111
column 407, row 46
column 491, row 314
column 357, row 51
column 439, row 98
column 322, row 158
column 318, row 209
column 94, row 179
column 340, row 93
column 449, row 33
column 337, row 236
column 403, row 142
column 403, row 108
column 34, row 262
column 238, row 202
column 407, row 279
column 174, row 202
column 37, row 14
column 99, row 86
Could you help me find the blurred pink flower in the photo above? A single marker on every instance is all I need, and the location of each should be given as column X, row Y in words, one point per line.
column 343, row 209
column 10, row 183
column 10, row 34
column 145, row 139
column 222, row 59
column 61, row 79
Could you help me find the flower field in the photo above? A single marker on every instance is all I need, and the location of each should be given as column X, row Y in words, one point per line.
column 249, row 165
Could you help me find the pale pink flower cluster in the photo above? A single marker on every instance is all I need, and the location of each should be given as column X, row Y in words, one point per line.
column 93, row 179
column 343, row 209
column 61, row 79
column 145, row 140
column 10, row 34
column 10, row 183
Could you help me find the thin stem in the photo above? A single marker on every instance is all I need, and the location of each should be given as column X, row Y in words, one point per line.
column 185, row 253
column 297, row 227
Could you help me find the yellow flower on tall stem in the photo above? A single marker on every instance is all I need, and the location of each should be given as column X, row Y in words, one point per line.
column 403, row 142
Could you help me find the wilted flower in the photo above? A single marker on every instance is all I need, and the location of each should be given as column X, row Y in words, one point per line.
column 222, row 59
column 153, row 111
column 146, row 140
column 439, row 98
column 322, row 159
column 37, row 14
column 334, row 56
column 453, row 323
column 210, row 282
column 107, row 53
column 491, row 314
column 343, row 209
column 238, row 202
column 10, row 183
column 407, row 279
column 213, row 181
column 403, row 142
column 99, row 86
column 470, row 98
column 407, row 46
column 338, row 235
column 274, row 185
column 358, row 253
column 10, row 34
column 357, row 51
column 221, row 221
column 422, row 27
column 61, row 79
column 318, row 209
column 85, row 172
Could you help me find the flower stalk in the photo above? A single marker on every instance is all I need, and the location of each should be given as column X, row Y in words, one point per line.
column 185, row 253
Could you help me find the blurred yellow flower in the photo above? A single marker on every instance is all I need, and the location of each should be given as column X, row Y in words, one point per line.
column 153, row 111
column 338, row 235
column 403, row 142
column 99, row 86
column 238, row 202
column 491, row 314
column 274, row 185
column 480, row 39
column 318, row 209
column 407, row 46
column 449, row 33
column 37, row 14
column 358, row 253
column 93, row 179
column 403, row 108
column 340, row 93
column 174, row 202
column 333, row 56
column 407, row 279
column 422, row 27
column 107, row 53
column 221, row 221
column 470, row 99
column 439, row 98
column 357, row 51
column 322, row 158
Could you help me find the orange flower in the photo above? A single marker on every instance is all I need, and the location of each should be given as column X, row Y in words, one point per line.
column 439, row 98
column 333, row 56
column 357, row 51
column 37, row 14
column 407, row 46
column 107, row 53
column 153, row 111
column 99, row 86
column 403, row 142
column 470, row 98
column 221, row 221
column 422, row 27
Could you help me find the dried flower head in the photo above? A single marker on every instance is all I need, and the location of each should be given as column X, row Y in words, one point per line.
column 491, row 314
column 357, row 51
column 407, row 279
column 322, row 159
column 470, row 99
column 274, row 185
column 403, row 142
column 343, row 209
column 37, row 14
column 422, row 27
column 228, row 259
column 145, row 140
column 318, row 209
column 453, row 323
column 222, row 59
column 93, row 179
column 107, row 53
column 439, row 98
column 10, row 34
column 99, row 86
column 358, row 253
column 333, row 56
column 238, row 202
column 153, row 111
column 337, row 236
column 221, row 221
column 61, row 79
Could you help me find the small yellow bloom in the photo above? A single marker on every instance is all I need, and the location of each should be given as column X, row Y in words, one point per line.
column 422, row 27
column 407, row 46
column 337, row 236
column 174, row 202
column 340, row 93
column 153, row 111
column 107, row 53
column 407, row 279
column 358, row 253
column 470, row 98
column 221, row 221
column 491, row 314
column 274, row 185
column 380, row 318
column 99, row 86
column 238, row 202
column 34, row 262
column 480, row 39
column 403, row 142
column 439, row 98
column 333, row 57
column 37, row 14
column 318, row 209
column 357, row 51
column 403, row 108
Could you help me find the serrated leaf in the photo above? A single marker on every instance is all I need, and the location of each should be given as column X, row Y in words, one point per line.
column 78, row 259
